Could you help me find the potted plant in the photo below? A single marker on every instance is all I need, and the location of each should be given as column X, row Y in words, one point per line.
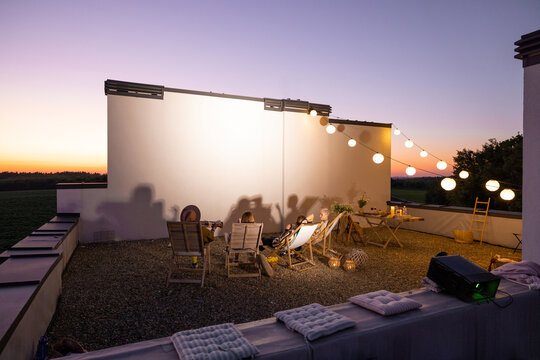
column 362, row 202
column 339, row 208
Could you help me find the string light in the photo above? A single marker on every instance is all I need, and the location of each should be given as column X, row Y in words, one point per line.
column 378, row 158
column 313, row 112
column 330, row 129
column 492, row 185
column 423, row 153
column 351, row 142
column 448, row 184
column 507, row 194
column 397, row 132
column 441, row 165
column 463, row 174
column 409, row 143
column 410, row 170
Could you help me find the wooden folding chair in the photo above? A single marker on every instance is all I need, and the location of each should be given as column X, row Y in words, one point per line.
column 244, row 240
column 300, row 237
column 325, row 235
column 187, row 241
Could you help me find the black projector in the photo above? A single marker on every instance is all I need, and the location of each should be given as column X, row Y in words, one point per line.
column 463, row 279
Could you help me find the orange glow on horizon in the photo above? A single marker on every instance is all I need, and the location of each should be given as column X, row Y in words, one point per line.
column 47, row 166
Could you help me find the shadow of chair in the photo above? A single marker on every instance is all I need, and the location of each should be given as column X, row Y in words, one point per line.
column 244, row 240
column 187, row 241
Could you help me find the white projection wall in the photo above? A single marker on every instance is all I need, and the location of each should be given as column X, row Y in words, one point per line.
column 225, row 155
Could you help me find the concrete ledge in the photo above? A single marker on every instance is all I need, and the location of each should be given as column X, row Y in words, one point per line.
column 458, row 209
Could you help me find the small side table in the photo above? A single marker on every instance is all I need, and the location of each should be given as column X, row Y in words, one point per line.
column 518, row 237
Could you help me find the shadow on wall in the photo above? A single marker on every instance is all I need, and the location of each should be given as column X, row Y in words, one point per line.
column 261, row 211
column 139, row 218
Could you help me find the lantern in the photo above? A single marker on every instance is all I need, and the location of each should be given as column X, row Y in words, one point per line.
column 441, row 165
column 378, row 158
column 349, row 265
column 463, row 174
column 330, row 129
column 492, row 185
column 423, row 153
column 507, row 194
column 448, row 184
column 313, row 112
column 334, row 263
column 351, row 143
column 410, row 171
column 409, row 144
column 397, row 132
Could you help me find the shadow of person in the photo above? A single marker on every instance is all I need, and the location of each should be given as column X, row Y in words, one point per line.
column 296, row 209
column 235, row 213
column 139, row 218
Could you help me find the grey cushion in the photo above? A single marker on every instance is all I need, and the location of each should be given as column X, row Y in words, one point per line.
column 385, row 302
column 218, row 342
column 314, row 321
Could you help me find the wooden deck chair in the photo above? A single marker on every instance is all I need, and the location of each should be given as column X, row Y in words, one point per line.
column 245, row 239
column 187, row 241
column 325, row 235
column 300, row 237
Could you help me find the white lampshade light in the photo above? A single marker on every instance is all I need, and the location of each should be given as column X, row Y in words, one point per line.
column 441, row 165
column 351, row 142
column 492, row 185
column 378, row 158
column 313, row 112
column 423, row 153
column 507, row 194
column 397, row 132
column 463, row 174
column 409, row 143
column 410, row 171
column 330, row 129
column 448, row 184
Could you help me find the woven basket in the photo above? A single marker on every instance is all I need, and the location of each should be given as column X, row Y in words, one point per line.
column 463, row 236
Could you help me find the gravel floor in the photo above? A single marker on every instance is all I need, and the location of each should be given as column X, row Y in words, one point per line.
column 115, row 293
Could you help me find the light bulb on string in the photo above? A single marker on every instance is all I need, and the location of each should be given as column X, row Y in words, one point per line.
column 507, row 194
column 423, row 153
column 463, row 174
column 448, row 184
column 351, row 142
column 313, row 112
column 408, row 143
column 492, row 185
column 378, row 158
column 397, row 132
column 410, row 171
column 441, row 165
column 330, row 129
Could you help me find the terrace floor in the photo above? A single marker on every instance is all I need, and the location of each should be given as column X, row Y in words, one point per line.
column 115, row 293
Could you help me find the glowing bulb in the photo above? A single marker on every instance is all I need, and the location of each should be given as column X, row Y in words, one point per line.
column 313, row 112
column 330, row 129
column 351, row 142
column 441, row 165
column 409, row 143
column 448, row 184
column 507, row 194
column 463, row 174
column 410, row 171
column 423, row 153
column 492, row 185
column 378, row 158
column 397, row 132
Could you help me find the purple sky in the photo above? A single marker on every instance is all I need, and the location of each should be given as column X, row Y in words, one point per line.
column 443, row 72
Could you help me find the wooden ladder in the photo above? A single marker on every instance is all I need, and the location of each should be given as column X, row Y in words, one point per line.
column 476, row 220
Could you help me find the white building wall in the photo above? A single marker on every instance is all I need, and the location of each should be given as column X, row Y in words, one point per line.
column 226, row 156
column 531, row 164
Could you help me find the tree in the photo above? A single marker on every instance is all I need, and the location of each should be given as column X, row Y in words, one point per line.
column 501, row 161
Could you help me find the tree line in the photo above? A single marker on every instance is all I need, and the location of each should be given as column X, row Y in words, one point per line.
column 10, row 181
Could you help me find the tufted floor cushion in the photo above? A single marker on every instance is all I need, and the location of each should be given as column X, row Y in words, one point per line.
column 385, row 302
column 218, row 342
column 314, row 321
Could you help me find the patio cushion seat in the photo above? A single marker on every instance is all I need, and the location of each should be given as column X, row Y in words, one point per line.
column 385, row 302
column 314, row 321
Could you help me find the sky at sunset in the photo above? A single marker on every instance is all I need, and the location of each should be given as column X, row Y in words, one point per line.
column 441, row 71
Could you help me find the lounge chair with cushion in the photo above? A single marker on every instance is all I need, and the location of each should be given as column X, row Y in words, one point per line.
column 187, row 241
column 325, row 235
column 243, row 242
column 294, row 242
